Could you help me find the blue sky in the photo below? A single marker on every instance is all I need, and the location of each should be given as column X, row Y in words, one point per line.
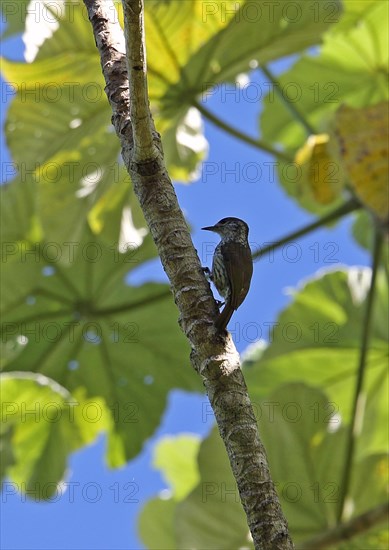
column 99, row 510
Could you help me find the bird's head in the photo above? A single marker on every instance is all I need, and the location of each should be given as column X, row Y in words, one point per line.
column 230, row 229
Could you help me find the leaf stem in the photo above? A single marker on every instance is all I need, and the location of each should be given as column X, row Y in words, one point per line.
column 287, row 102
column 338, row 212
column 257, row 143
column 358, row 408
column 122, row 308
column 346, row 531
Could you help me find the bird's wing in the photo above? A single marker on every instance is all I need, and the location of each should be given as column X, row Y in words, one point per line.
column 235, row 257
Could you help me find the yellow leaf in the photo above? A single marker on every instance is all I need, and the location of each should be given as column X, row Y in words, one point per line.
column 362, row 136
column 320, row 173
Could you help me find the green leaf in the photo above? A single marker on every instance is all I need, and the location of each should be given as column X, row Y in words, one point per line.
column 62, row 140
column 60, row 134
column 176, row 458
column 18, row 213
column 305, row 442
column 327, row 79
column 350, row 68
column 308, row 478
column 7, row 454
column 59, row 122
column 59, row 114
column 75, row 320
column 259, row 31
column 363, row 233
column 71, row 317
column 185, row 146
column 44, row 423
column 65, row 28
column 317, row 340
column 62, row 130
column 194, row 40
column 212, row 515
column 364, row 496
column 14, row 14
column 156, row 524
column 355, row 11
column 376, row 538
column 363, row 230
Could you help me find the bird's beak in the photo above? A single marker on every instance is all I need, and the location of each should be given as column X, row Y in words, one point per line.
column 210, row 228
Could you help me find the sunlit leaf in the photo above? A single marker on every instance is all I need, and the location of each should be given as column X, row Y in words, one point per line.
column 60, row 100
column 75, row 320
column 362, row 136
column 318, row 167
column 211, row 516
column 293, row 418
column 328, row 79
column 319, row 82
column 156, row 524
column 46, row 423
column 317, row 339
column 363, row 232
column 14, row 13
column 176, row 458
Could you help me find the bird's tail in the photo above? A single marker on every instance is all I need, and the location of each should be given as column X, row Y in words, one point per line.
column 224, row 317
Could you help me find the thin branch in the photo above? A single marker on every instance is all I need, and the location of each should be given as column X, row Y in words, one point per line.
column 356, row 526
column 358, row 406
column 213, row 355
column 144, row 147
column 257, row 143
column 290, row 106
column 346, row 208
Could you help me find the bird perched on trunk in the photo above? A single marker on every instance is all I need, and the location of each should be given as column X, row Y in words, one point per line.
column 232, row 266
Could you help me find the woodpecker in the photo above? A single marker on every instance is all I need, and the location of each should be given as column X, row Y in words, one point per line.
column 232, row 266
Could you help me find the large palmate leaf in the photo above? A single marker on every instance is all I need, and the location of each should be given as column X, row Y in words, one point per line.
column 317, row 339
column 363, row 232
column 64, row 141
column 350, row 68
column 14, row 14
column 45, row 423
column 176, row 458
column 211, row 516
column 354, row 11
column 305, row 445
column 309, row 476
column 201, row 45
column 207, row 44
column 75, row 320
column 59, row 121
column 328, row 79
column 84, row 328
column 362, row 137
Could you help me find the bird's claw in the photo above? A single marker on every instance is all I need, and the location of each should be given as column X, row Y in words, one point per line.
column 207, row 273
